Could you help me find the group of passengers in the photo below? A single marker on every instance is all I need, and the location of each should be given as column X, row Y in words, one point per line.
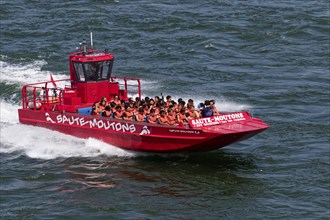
column 154, row 110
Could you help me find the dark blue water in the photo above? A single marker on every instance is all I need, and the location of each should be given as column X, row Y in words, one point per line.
column 271, row 57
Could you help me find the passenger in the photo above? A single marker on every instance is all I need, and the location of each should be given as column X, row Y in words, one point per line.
column 113, row 106
column 137, row 101
column 123, row 105
column 141, row 117
column 171, row 119
column 130, row 99
column 168, row 100
column 190, row 102
column 207, row 111
column 102, row 105
column 151, row 102
column 181, row 117
column 142, row 102
column 161, row 104
column 147, row 100
column 128, row 114
column 156, row 100
column 191, row 114
column 118, row 114
column 96, row 109
column 214, row 108
column 135, row 110
column 107, row 111
column 116, row 100
column 174, row 107
column 157, row 111
column 200, row 108
column 181, row 105
column 146, row 109
column 162, row 118
column 198, row 114
column 105, row 99
column 131, row 104
column 170, row 106
column 152, row 117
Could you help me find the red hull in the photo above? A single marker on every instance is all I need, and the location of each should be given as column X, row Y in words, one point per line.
column 138, row 136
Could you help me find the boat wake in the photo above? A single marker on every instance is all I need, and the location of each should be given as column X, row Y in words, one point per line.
column 23, row 74
column 222, row 104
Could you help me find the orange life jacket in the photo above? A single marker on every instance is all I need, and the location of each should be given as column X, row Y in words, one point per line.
column 118, row 114
column 153, row 118
column 171, row 119
column 140, row 117
column 183, row 117
column 162, row 120
column 192, row 115
column 129, row 115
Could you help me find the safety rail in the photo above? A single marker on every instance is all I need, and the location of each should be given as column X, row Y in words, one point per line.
column 38, row 96
column 127, row 84
column 49, row 96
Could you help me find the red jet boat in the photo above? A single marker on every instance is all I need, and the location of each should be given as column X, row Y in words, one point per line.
column 65, row 106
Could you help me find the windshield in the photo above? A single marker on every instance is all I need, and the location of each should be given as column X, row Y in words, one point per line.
column 93, row 71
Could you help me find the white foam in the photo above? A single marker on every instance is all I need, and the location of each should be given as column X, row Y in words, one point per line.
column 25, row 74
column 149, row 85
column 222, row 104
column 42, row 143
column 8, row 113
column 229, row 106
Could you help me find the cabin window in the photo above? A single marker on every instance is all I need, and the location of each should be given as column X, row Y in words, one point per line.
column 93, row 71
column 79, row 72
column 105, row 70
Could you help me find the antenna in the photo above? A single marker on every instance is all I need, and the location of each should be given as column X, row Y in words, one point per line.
column 91, row 40
column 84, row 47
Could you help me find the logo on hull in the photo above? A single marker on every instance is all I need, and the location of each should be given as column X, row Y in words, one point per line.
column 145, row 130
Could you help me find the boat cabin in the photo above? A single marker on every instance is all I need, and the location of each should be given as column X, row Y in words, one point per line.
column 90, row 80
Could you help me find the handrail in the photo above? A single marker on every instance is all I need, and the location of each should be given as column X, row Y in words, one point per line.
column 46, row 82
column 126, row 85
column 35, row 94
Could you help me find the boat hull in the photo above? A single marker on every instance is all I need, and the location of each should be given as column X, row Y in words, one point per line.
column 139, row 136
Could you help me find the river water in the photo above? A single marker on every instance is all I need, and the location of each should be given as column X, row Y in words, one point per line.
column 271, row 57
